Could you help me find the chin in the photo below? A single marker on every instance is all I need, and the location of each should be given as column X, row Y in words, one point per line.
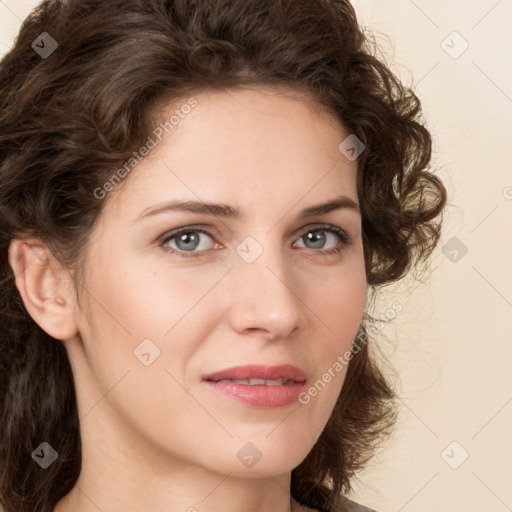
column 261, row 457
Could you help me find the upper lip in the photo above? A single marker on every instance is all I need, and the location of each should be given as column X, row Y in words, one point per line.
column 259, row 371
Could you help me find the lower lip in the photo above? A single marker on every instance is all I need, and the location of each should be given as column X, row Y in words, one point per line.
column 259, row 395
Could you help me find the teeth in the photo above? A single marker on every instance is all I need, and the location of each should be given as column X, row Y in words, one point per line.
column 256, row 382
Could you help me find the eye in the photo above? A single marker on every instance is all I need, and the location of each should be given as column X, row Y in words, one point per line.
column 317, row 238
column 188, row 240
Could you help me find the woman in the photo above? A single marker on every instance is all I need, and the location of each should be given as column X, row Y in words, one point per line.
column 196, row 199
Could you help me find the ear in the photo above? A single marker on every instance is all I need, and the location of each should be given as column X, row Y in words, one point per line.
column 45, row 287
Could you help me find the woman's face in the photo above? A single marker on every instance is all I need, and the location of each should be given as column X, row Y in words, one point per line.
column 158, row 312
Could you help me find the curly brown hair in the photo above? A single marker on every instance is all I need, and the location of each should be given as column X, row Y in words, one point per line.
column 68, row 120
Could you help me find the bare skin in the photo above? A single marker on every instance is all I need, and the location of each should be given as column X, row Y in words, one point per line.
column 155, row 437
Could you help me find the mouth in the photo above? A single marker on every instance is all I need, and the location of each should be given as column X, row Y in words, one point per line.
column 258, row 374
column 259, row 386
column 258, row 382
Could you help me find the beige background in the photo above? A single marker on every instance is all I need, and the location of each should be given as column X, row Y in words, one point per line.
column 452, row 342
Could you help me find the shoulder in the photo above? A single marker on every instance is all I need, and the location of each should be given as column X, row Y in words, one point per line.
column 346, row 506
column 352, row 506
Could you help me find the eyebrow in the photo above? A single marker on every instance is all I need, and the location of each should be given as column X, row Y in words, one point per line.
column 229, row 212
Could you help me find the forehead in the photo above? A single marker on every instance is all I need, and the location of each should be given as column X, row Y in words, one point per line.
column 243, row 144
column 246, row 117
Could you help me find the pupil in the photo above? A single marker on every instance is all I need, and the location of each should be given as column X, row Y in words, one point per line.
column 320, row 239
column 186, row 238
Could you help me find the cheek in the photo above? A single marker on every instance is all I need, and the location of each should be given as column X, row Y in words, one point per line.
column 340, row 303
column 339, row 308
column 171, row 307
column 128, row 316
column 146, row 302
column 167, row 293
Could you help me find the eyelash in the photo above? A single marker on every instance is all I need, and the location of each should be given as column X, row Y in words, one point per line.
column 342, row 236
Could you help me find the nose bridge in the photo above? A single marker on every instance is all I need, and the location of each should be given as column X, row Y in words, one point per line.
column 263, row 291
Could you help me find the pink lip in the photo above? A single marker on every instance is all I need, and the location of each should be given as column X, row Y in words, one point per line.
column 256, row 371
column 260, row 396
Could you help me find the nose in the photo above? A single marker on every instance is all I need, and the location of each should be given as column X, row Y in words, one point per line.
column 265, row 297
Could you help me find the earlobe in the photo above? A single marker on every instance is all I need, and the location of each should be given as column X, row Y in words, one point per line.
column 44, row 288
